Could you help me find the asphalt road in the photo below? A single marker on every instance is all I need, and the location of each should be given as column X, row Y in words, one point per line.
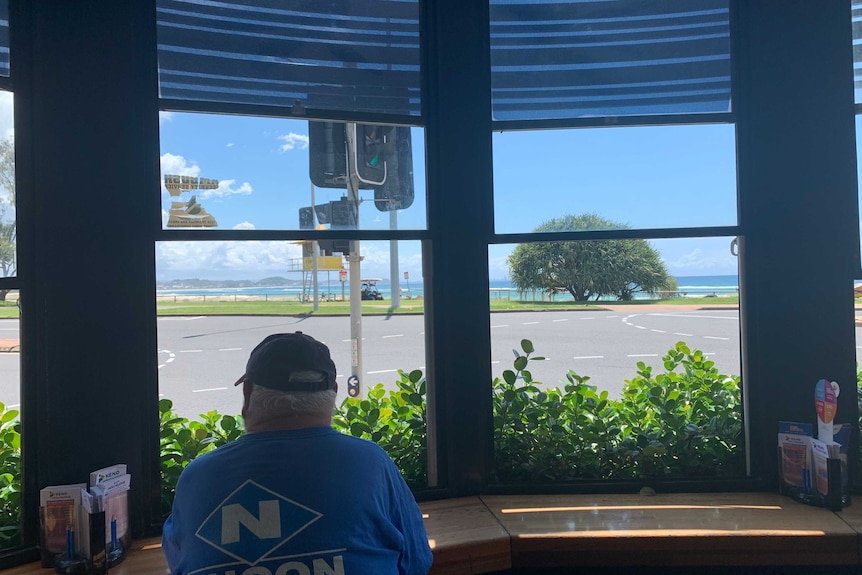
column 200, row 357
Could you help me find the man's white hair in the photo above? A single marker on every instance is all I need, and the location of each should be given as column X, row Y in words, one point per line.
column 265, row 404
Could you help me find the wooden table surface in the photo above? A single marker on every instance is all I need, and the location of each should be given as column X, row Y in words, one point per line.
column 490, row 533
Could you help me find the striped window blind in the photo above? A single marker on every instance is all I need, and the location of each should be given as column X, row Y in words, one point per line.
column 582, row 58
column 857, row 48
column 4, row 38
column 344, row 55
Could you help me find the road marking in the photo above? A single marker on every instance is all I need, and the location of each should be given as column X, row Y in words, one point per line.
column 640, row 327
column 493, row 362
column 611, row 316
column 586, row 318
column 698, row 316
column 397, row 335
column 683, row 334
column 210, row 389
column 589, row 357
column 231, row 349
column 170, row 359
column 191, row 350
column 13, row 406
column 530, row 323
column 381, row 371
column 503, row 325
column 716, row 337
column 658, row 330
column 560, row 319
column 643, row 355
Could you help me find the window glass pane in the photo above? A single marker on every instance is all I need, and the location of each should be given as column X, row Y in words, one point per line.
column 636, row 342
column 645, row 177
column 345, row 56
column 8, row 225
column 552, row 59
column 236, row 172
column 216, row 300
column 10, row 406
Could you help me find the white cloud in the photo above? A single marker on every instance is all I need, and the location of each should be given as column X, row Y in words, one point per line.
column 703, row 262
column 165, row 117
column 230, row 145
column 7, row 116
column 226, row 260
column 226, row 188
column 244, row 226
column 178, row 165
column 292, row 141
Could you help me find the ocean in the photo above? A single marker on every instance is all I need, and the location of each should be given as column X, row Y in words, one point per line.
column 689, row 286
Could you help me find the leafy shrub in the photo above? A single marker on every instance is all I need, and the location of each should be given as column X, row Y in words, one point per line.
column 182, row 440
column 10, row 476
column 395, row 420
column 675, row 424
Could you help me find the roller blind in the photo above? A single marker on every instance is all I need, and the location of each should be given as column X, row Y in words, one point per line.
column 857, row 49
column 556, row 60
column 4, row 38
column 345, row 55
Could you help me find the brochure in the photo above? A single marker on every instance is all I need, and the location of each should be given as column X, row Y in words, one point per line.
column 59, row 510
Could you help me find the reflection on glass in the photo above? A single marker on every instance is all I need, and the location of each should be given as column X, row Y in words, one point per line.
column 232, row 172
column 642, row 178
column 596, row 381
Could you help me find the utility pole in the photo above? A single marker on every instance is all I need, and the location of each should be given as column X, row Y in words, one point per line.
column 354, row 384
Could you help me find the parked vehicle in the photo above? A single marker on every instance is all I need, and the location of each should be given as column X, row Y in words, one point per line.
column 369, row 289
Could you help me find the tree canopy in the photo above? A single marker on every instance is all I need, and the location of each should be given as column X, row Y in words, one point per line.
column 588, row 269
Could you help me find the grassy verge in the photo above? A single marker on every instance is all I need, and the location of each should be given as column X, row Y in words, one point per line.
column 382, row 307
column 165, row 308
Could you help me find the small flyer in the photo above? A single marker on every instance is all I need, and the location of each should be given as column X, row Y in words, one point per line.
column 794, row 439
column 59, row 510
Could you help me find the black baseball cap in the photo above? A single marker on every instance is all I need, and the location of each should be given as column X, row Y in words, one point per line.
column 290, row 362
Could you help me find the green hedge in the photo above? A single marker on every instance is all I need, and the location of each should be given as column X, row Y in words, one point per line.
column 682, row 422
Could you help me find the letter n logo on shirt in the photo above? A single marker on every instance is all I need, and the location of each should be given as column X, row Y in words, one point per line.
column 253, row 521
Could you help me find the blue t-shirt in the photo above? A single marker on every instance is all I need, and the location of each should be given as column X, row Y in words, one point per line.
column 295, row 502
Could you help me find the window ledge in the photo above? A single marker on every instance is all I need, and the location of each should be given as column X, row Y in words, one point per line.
column 493, row 533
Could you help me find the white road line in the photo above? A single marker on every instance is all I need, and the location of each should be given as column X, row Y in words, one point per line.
column 504, row 325
column 493, row 362
column 381, row 371
column 658, row 330
column 13, row 406
column 191, row 350
column 397, row 335
column 611, row 316
column 643, row 355
column 698, row 316
column 588, row 357
column 161, row 366
column 231, row 349
column 560, row 319
column 683, row 334
column 586, row 318
column 210, row 389
column 530, row 323
column 640, row 327
column 170, row 359
column 716, row 337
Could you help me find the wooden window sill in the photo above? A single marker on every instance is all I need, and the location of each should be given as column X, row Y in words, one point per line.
column 493, row 533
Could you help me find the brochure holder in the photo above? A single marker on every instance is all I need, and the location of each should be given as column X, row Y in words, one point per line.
column 835, row 497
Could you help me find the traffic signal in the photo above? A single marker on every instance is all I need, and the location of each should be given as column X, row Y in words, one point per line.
column 306, row 219
column 343, row 215
column 327, row 154
column 371, row 158
column 396, row 193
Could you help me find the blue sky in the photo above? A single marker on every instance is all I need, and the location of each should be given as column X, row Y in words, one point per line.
column 643, row 177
